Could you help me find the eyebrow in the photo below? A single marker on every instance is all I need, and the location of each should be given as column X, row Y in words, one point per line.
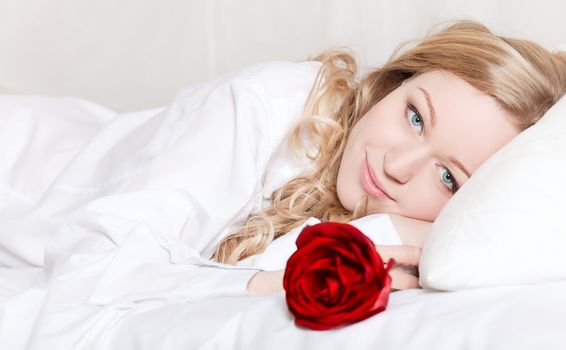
column 460, row 165
column 433, row 123
column 430, row 107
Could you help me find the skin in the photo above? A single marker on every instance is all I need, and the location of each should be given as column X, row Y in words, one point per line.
column 410, row 156
column 413, row 160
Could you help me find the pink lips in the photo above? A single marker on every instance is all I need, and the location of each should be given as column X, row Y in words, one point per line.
column 370, row 183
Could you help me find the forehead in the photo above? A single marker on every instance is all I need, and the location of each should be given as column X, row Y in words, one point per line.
column 470, row 125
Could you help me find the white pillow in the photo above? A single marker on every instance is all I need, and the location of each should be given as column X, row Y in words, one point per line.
column 507, row 224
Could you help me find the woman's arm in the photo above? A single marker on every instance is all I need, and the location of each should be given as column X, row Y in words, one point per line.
column 266, row 282
column 269, row 282
column 412, row 233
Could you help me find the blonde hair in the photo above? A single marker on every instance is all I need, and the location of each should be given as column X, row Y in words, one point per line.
column 523, row 77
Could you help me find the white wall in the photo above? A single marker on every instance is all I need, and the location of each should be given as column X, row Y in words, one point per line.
column 135, row 54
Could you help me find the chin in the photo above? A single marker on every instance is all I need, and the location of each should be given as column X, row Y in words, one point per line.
column 378, row 209
column 347, row 199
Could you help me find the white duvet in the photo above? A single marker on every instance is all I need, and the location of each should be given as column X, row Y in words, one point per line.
column 107, row 223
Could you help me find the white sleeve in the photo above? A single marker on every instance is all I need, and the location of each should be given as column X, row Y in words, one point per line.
column 378, row 227
column 279, row 251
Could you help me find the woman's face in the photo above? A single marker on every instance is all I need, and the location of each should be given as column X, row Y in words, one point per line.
column 421, row 142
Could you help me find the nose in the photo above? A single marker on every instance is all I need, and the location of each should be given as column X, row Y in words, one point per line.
column 400, row 163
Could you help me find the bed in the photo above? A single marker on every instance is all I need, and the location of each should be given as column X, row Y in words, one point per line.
column 97, row 209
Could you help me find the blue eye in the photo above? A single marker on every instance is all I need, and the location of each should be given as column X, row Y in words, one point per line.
column 447, row 179
column 414, row 118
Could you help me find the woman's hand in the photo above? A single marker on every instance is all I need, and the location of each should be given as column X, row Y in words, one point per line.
column 412, row 233
column 405, row 256
column 404, row 274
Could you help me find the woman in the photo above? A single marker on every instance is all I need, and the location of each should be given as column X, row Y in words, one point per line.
column 406, row 137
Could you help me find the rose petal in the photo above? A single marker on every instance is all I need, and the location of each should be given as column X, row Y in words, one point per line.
column 330, row 295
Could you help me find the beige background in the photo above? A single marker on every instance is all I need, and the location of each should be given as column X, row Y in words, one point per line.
column 135, row 54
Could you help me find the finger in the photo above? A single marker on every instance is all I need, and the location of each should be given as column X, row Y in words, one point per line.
column 402, row 254
column 403, row 280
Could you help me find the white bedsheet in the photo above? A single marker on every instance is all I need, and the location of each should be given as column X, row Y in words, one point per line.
column 105, row 235
column 513, row 318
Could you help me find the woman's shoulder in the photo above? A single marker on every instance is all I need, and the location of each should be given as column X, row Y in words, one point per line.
column 279, row 77
column 274, row 79
column 274, row 70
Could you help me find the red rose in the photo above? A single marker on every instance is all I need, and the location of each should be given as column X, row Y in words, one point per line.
column 335, row 277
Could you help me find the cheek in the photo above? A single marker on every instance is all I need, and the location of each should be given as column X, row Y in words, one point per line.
column 424, row 204
column 347, row 187
column 386, row 130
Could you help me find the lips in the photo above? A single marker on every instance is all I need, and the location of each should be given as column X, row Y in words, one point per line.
column 370, row 183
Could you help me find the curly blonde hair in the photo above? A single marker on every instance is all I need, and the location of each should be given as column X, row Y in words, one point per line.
column 523, row 77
